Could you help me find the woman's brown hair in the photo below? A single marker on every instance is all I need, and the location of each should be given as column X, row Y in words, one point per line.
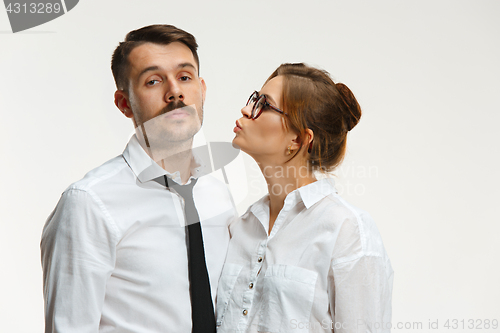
column 312, row 100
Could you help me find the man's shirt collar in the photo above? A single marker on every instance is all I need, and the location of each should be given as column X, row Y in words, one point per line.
column 146, row 169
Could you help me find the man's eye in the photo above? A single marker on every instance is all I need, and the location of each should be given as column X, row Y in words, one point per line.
column 184, row 78
column 152, row 82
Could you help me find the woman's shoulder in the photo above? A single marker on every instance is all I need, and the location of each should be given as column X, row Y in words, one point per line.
column 357, row 233
column 338, row 207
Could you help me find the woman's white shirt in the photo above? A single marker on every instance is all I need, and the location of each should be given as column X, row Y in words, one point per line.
column 323, row 268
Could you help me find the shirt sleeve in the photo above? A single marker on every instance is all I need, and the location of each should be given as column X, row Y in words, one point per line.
column 361, row 287
column 78, row 255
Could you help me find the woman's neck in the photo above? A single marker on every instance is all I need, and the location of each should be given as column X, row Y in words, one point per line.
column 281, row 180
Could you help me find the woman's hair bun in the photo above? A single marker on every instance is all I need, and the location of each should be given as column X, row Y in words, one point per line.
column 351, row 110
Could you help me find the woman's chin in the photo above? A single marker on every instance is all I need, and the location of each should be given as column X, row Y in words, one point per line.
column 236, row 145
column 236, row 142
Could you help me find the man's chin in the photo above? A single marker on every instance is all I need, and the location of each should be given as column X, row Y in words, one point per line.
column 180, row 130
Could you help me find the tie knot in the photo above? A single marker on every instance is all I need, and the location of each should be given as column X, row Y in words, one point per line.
column 185, row 191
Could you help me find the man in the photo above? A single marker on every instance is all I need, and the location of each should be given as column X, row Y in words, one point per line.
column 117, row 251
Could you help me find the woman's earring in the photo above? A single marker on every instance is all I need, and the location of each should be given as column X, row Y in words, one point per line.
column 289, row 150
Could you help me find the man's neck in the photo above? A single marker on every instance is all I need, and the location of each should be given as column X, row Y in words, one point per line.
column 174, row 157
column 179, row 162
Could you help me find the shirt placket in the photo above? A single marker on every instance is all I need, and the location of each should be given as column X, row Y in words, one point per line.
column 249, row 294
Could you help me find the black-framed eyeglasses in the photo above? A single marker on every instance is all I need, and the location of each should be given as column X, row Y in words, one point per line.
column 260, row 103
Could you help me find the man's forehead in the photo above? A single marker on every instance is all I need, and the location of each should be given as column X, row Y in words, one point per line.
column 167, row 57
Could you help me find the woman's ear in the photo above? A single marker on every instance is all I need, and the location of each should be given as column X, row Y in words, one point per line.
column 296, row 143
column 308, row 141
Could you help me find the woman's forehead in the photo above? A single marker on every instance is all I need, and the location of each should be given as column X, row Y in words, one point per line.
column 273, row 89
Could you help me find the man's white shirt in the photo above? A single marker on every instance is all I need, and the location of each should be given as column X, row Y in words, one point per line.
column 114, row 252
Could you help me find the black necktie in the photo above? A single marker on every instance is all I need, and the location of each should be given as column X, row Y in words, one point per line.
column 202, row 308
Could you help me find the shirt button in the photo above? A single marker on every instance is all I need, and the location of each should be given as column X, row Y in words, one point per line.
column 260, row 259
column 250, row 285
column 245, row 312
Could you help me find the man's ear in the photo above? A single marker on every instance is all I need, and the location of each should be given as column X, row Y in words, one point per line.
column 203, row 88
column 122, row 103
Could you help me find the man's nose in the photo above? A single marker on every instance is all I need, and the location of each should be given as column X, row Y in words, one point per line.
column 174, row 93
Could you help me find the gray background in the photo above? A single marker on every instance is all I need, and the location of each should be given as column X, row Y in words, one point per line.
column 423, row 161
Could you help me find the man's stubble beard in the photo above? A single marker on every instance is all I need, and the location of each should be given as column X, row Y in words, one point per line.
column 172, row 135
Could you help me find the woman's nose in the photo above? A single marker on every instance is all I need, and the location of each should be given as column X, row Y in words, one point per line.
column 247, row 111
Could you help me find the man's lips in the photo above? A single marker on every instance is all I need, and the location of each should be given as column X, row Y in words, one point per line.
column 177, row 113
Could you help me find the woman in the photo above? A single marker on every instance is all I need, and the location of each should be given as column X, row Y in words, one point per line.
column 301, row 259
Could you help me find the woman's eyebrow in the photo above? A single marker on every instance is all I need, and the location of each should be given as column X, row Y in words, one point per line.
column 270, row 99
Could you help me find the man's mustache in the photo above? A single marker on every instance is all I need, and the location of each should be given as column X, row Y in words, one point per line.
column 173, row 106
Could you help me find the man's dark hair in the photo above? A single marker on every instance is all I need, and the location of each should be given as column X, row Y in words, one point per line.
column 162, row 34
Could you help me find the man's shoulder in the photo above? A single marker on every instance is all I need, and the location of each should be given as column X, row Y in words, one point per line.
column 81, row 205
column 101, row 175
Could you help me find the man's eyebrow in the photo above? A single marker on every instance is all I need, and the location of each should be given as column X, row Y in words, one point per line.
column 186, row 64
column 154, row 68
column 148, row 69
